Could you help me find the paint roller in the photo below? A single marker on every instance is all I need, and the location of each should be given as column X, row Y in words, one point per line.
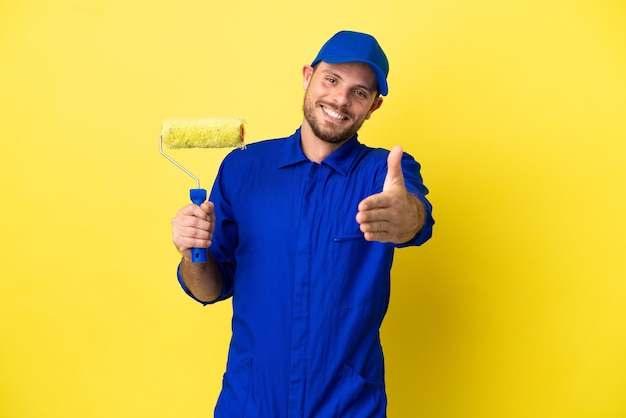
column 200, row 133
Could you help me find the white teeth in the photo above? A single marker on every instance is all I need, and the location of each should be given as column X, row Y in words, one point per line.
column 333, row 114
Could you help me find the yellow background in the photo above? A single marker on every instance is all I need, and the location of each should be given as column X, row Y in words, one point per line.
column 516, row 110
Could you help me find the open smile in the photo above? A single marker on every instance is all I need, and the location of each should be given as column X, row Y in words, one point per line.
column 333, row 114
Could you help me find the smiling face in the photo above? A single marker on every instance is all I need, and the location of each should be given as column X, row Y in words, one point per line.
column 338, row 99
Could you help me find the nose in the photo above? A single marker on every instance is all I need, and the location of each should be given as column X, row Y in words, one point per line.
column 341, row 97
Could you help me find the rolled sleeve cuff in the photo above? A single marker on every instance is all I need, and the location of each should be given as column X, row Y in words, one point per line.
column 226, row 293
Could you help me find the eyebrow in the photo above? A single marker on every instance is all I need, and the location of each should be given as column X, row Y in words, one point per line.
column 360, row 86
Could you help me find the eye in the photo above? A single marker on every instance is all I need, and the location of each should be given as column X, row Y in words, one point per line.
column 331, row 80
column 362, row 94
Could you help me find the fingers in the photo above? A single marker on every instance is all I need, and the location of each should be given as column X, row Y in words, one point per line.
column 374, row 217
column 376, row 230
column 384, row 225
column 375, row 224
column 382, row 206
column 193, row 227
column 375, row 201
column 394, row 220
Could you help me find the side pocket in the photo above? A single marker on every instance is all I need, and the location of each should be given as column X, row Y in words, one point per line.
column 360, row 398
column 235, row 390
column 362, row 279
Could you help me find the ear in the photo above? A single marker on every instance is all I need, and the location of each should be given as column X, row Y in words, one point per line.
column 378, row 102
column 307, row 73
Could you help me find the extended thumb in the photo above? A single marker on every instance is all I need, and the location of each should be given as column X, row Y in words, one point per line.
column 394, row 168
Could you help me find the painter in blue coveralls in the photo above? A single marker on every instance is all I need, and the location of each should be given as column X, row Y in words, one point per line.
column 300, row 233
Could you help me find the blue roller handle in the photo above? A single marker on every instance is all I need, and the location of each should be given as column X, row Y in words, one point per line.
column 198, row 255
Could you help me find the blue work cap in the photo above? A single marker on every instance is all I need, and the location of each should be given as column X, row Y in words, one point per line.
column 348, row 46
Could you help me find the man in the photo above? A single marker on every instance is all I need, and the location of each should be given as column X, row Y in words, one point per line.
column 300, row 233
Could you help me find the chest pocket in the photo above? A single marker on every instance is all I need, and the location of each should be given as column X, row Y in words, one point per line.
column 360, row 272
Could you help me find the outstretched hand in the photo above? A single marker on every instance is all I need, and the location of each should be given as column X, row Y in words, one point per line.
column 394, row 215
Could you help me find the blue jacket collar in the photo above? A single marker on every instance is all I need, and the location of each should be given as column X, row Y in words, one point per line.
column 341, row 160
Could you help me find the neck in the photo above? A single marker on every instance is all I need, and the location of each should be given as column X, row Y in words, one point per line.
column 314, row 148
